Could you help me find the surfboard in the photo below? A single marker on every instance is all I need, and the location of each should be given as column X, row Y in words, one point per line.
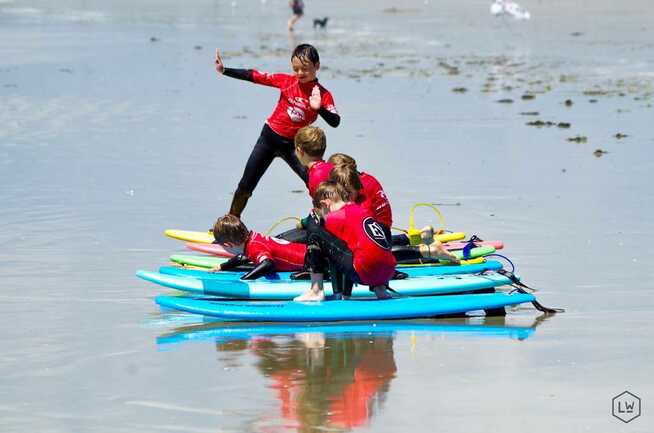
column 475, row 252
column 474, row 261
column 213, row 249
column 342, row 310
column 459, row 245
column 285, row 290
column 206, row 262
column 213, row 261
column 490, row 265
column 220, row 251
column 207, row 237
column 190, row 236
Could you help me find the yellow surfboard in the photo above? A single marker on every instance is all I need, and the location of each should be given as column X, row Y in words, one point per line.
column 190, row 236
column 207, row 237
column 446, row 237
column 463, row 262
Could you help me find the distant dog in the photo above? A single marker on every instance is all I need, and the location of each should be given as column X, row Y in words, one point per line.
column 322, row 23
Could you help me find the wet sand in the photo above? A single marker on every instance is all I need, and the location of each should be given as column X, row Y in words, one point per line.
column 115, row 127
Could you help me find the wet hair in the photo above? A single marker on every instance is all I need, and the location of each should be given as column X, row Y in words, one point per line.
column 328, row 190
column 312, row 141
column 229, row 228
column 306, row 54
column 339, row 159
column 347, row 177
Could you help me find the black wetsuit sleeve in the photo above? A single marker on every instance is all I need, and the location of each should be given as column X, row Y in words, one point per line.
column 264, row 268
column 332, row 119
column 312, row 222
column 406, row 252
column 234, row 262
column 239, row 74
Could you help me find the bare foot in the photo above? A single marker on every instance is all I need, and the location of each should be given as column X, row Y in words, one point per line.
column 311, row 296
column 381, row 293
column 437, row 251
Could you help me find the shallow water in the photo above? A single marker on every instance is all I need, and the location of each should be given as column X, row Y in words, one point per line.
column 107, row 138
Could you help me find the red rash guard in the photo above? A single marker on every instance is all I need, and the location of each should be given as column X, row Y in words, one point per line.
column 287, row 256
column 293, row 110
column 373, row 198
column 319, row 172
column 373, row 260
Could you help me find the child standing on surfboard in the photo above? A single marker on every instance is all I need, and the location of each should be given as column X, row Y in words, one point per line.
column 301, row 100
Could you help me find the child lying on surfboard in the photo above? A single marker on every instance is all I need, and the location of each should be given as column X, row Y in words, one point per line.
column 268, row 254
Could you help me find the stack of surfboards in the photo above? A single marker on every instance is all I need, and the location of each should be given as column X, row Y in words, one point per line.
column 430, row 290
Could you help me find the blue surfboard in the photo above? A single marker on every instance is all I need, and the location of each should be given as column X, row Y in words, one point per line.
column 342, row 310
column 286, row 290
column 417, row 271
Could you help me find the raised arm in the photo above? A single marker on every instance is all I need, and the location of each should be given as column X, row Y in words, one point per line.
column 325, row 108
column 240, row 74
column 251, row 75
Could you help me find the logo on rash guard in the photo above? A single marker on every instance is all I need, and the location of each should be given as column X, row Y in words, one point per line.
column 296, row 114
column 279, row 241
column 375, row 232
column 298, row 102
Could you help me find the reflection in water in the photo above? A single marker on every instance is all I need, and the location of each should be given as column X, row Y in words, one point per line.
column 333, row 376
column 327, row 380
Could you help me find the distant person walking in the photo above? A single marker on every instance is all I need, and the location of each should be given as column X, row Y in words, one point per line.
column 297, row 6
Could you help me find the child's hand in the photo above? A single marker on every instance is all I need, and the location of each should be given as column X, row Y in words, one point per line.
column 215, row 269
column 220, row 66
column 315, row 100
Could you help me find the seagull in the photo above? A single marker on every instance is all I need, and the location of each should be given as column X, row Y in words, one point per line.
column 507, row 7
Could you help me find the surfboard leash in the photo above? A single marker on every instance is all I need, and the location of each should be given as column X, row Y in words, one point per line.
column 505, row 258
column 520, row 287
column 537, row 305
